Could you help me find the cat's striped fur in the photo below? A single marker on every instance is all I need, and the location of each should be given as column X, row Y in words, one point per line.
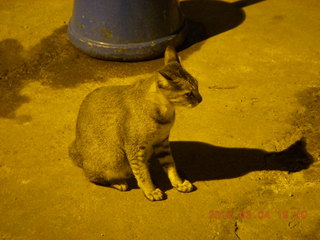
column 120, row 127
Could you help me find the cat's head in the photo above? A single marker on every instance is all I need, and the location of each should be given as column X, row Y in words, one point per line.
column 178, row 86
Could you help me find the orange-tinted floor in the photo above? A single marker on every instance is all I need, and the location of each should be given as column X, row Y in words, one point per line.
column 258, row 67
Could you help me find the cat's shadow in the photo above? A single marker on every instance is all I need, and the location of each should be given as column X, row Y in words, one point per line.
column 197, row 161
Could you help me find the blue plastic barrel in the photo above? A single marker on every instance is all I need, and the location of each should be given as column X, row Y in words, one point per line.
column 126, row 30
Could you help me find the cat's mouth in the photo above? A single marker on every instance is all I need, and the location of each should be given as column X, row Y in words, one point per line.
column 191, row 105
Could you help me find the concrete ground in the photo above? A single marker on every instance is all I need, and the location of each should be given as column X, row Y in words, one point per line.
column 258, row 67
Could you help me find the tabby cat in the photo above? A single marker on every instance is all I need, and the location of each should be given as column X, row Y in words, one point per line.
column 120, row 127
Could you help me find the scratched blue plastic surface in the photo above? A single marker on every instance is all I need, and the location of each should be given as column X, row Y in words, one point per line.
column 126, row 30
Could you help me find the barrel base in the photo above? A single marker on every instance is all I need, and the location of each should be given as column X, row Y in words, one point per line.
column 126, row 52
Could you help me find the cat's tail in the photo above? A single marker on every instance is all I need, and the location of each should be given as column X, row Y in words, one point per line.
column 75, row 155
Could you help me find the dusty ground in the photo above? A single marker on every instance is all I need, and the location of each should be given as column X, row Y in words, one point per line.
column 258, row 67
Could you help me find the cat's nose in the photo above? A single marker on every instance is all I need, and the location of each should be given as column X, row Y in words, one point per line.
column 199, row 98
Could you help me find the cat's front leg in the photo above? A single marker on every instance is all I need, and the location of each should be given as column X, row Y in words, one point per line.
column 163, row 153
column 139, row 166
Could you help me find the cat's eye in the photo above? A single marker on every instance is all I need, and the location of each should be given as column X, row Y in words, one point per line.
column 188, row 94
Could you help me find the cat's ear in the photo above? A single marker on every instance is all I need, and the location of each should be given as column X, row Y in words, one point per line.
column 162, row 80
column 171, row 55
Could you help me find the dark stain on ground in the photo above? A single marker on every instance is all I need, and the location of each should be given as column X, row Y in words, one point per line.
column 12, row 68
column 308, row 124
column 278, row 18
column 56, row 63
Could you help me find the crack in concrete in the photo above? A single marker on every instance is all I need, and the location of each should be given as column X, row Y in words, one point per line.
column 236, row 228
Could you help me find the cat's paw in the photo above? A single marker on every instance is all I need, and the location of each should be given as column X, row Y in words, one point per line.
column 121, row 186
column 155, row 195
column 185, row 186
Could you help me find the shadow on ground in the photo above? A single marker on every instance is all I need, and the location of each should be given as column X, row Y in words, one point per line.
column 207, row 18
column 56, row 63
column 197, row 161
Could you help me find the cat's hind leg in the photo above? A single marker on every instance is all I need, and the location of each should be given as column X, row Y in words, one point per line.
column 162, row 152
column 117, row 174
column 100, row 179
column 107, row 169
column 120, row 185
